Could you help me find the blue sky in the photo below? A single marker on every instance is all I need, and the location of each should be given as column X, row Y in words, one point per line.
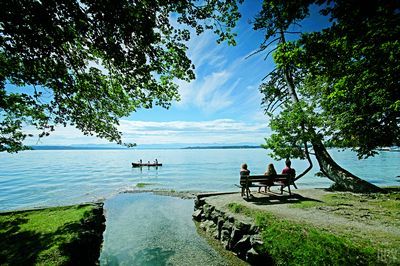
column 222, row 106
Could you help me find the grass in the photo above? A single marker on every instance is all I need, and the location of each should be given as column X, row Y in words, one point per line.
column 53, row 236
column 291, row 243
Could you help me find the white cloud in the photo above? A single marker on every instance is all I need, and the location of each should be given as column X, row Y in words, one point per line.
column 215, row 131
column 221, row 131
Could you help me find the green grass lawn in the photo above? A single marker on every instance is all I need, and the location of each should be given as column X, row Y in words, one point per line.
column 290, row 242
column 53, row 236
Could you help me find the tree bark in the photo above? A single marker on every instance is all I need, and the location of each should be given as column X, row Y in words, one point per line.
column 328, row 166
column 337, row 174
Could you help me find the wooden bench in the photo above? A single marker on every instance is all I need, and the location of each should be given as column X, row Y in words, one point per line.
column 282, row 180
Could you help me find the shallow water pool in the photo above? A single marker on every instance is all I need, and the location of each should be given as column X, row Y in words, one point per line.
column 148, row 229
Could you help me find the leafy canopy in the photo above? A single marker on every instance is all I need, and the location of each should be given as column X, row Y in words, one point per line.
column 89, row 63
column 346, row 76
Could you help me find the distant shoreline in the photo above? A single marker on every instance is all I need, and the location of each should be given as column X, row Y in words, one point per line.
column 144, row 148
column 221, row 147
column 75, row 148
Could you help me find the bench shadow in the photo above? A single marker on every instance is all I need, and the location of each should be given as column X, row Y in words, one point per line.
column 272, row 198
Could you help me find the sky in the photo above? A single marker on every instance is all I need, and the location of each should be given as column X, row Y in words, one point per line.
column 221, row 106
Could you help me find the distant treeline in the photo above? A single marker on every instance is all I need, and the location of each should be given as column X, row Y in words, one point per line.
column 74, row 148
column 222, row 147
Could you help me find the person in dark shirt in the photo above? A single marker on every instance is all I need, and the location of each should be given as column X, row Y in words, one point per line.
column 288, row 170
column 243, row 173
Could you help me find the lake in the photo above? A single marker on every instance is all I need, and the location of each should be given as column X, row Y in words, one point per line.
column 41, row 178
column 143, row 228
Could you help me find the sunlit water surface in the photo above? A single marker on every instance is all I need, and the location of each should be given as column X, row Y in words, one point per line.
column 142, row 228
column 47, row 178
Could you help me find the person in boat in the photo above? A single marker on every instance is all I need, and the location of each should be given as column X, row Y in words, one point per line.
column 244, row 172
column 140, row 161
column 269, row 172
column 156, row 161
column 288, row 170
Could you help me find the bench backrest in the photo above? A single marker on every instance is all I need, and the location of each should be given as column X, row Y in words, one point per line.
column 264, row 178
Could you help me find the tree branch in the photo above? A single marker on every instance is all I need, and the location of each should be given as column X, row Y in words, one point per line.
column 270, row 53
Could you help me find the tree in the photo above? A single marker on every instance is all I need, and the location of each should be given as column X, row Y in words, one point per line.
column 89, row 63
column 319, row 78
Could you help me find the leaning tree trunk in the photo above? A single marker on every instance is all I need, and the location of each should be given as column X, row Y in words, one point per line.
column 328, row 166
column 337, row 174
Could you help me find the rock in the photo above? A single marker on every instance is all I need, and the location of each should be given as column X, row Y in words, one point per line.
column 255, row 258
column 244, row 227
column 220, row 223
column 198, row 203
column 254, row 229
column 225, row 235
column 197, row 215
column 256, row 243
column 252, row 256
column 211, row 228
column 236, row 235
column 242, row 246
column 214, row 216
column 227, row 226
column 203, row 225
column 225, row 238
column 208, row 210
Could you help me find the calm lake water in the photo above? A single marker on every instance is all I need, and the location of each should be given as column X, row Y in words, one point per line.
column 48, row 178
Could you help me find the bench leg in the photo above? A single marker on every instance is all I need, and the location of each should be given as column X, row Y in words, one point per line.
column 281, row 190
column 290, row 193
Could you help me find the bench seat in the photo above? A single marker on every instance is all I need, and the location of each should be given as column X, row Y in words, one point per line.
column 282, row 180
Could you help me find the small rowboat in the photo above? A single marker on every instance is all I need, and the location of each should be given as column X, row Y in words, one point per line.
column 146, row 164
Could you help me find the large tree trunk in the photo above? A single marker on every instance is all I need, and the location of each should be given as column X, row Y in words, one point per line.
column 343, row 178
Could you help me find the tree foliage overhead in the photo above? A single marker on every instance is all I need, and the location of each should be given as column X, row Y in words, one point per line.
column 347, row 76
column 89, row 63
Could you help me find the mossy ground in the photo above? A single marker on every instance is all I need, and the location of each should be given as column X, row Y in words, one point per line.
column 53, row 236
column 292, row 242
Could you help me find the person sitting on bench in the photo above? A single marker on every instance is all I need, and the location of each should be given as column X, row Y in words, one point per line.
column 244, row 172
column 270, row 172
column 288, row 170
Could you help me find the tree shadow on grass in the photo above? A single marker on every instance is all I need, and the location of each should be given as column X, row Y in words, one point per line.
column 18, row 247
column 78, row 243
